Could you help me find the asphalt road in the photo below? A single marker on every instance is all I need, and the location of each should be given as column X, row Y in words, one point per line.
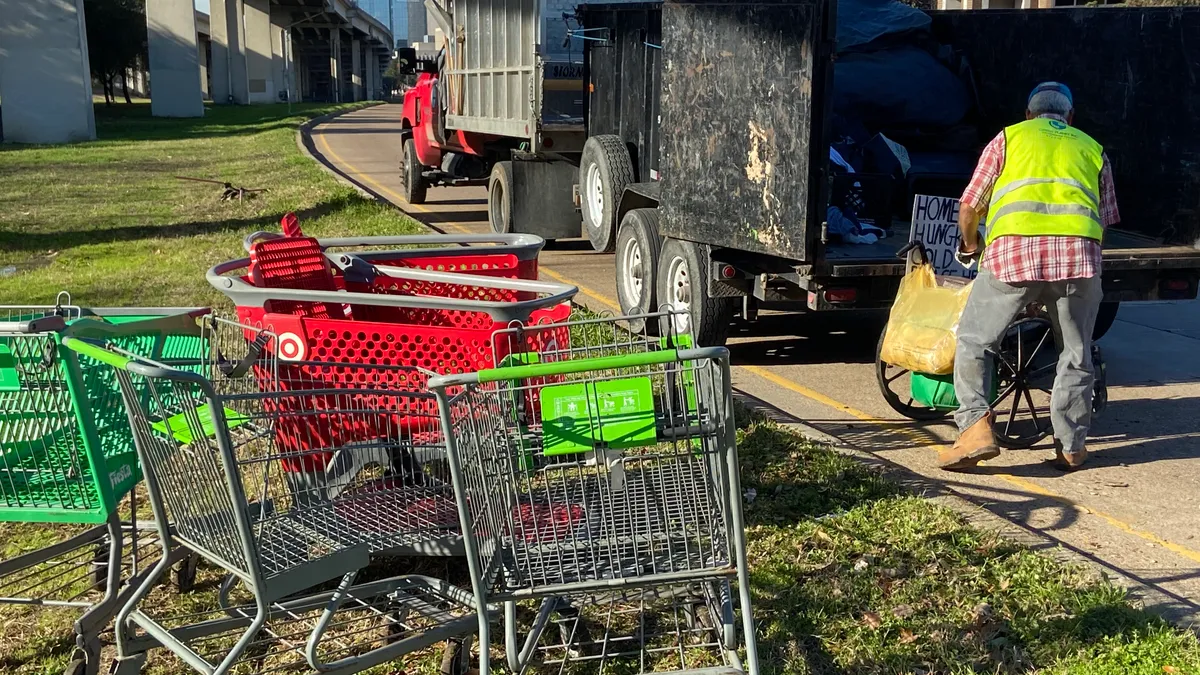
column 1134, row 510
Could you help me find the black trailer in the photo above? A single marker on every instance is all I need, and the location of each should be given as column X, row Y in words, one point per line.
column 722, row 111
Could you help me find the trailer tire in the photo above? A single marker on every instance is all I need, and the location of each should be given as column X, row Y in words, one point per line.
column 500, row 198
column 682, row 285
column 1105, row 318
column 638, row 250
column 414, row 183
column 605, row 169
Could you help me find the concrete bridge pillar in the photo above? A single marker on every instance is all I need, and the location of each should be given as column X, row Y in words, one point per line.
column 335, row 64
column 356, row 78
column 45, row 78
column 175, row 89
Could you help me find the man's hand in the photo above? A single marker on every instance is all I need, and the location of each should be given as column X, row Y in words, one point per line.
column 968, row 258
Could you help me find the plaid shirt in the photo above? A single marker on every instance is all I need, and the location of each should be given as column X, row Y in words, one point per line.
column 1015, row 259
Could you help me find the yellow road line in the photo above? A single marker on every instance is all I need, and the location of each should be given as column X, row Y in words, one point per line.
column 379, row 187
column 817, row 396
column 604, row 299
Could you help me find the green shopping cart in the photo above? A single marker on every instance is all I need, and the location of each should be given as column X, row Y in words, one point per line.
column 68, row 462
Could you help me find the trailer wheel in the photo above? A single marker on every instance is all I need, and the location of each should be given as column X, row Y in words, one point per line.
column 500, row 198
column 638, row 247
column 411, row 170
column 683, row 288
column 1105, row 319
column 604, row 171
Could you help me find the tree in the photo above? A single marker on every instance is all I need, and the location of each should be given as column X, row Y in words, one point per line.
column 116, row 33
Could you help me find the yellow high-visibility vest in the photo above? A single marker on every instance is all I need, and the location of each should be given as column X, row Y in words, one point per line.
column 1050, row 184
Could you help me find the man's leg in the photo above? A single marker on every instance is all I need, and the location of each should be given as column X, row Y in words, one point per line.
column 990, row 308
column 1073, row 306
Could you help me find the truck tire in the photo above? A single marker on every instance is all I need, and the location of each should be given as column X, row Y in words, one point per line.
column 638, row 246
column 604, row 171
column 1105, row 319
column 500, row 198
column 682, row 286
column 411, row 170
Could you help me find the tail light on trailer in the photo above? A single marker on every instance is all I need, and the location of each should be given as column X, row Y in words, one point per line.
column 840, row 296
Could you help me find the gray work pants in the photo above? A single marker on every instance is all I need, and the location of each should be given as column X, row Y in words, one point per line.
column 991, row 307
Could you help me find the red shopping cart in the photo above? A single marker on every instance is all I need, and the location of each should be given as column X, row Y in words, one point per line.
column 329, row 313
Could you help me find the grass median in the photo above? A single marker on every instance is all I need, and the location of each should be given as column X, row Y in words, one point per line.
column 850, row 574
column 109, row 221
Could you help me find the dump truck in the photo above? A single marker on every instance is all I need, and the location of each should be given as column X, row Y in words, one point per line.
column 702, row 154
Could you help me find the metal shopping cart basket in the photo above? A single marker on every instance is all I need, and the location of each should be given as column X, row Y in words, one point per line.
column 208, row 442
column 67, row 461
column 602, row 478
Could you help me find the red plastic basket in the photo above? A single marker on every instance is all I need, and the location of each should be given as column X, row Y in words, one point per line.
column 324, row 344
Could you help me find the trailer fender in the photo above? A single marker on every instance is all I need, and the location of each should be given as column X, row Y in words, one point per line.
column 638, row 196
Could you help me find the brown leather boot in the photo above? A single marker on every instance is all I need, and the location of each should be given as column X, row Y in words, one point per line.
column 972, row 447
column 1069, row 461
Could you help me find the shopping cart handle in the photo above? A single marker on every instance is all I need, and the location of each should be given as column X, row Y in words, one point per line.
column 247, row 295
column 579, row 366
column 96, row 352
column 182, row 322
column 354, row 264
column 524, row 246
column 42, row 324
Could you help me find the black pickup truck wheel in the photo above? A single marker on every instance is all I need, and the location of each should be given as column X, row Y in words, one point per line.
column 411, row 169
column 605, row 169
column 682, row 287
column 500, row 198
column 638, row 249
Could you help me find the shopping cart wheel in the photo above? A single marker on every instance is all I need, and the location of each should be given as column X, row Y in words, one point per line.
column 456, row 659
column 84, row 661
column 100, row 565
column 895, row 385
column 76, row 667
column 185, row 573
column 130, row 665
column 573, row 630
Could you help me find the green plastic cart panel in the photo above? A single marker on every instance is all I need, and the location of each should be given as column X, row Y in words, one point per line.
column 10, row 379
column 616, row 414
column 179, row 427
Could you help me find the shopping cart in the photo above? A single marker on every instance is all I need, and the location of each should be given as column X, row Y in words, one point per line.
column 433, row 323
column 612, row 499
column 67, row 462
column 207, row 438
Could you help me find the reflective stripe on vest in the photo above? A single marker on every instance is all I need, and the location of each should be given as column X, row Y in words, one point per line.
column 1050, row 183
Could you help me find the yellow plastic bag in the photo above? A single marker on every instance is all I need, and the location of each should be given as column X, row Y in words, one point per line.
column 923, row 325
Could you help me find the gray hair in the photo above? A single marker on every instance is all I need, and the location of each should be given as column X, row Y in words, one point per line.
column 1050, row 102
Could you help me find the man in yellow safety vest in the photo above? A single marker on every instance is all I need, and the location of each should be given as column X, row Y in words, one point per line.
column 1046, row 191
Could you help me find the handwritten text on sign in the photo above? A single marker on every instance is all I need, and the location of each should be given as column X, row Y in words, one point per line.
column 935, row 226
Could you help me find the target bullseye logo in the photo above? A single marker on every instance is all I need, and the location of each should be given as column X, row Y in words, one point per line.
column 291, row 347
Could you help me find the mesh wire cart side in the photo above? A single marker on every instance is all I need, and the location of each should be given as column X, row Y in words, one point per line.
column 205, row 434
column 613, row 475
column 67, row 462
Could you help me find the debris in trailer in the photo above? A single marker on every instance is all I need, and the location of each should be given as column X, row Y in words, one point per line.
column 229, row 191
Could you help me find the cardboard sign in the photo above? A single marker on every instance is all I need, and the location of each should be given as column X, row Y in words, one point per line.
column 935, row 226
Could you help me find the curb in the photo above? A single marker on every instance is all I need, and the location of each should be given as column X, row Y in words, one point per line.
column 1175, row 609
column 304, row 142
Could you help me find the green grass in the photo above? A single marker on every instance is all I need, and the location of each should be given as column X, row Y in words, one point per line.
column 850, row 575
column 109, row 222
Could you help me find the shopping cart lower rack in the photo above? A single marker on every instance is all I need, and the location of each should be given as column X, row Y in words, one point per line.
column 605, row 465
column 208, row 436
column 67, row 462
